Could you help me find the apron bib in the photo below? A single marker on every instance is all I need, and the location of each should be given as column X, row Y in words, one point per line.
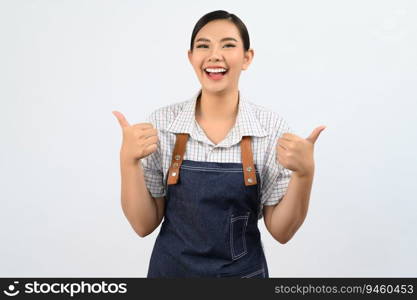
column 210, row 227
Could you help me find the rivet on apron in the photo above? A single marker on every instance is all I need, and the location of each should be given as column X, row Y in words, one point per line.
column 250, row 180
column 177, row 157
column 174, row 173
column 249, row 169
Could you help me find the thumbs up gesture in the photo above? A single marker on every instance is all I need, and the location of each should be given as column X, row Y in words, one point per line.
column 296, row 154
column 139, row 140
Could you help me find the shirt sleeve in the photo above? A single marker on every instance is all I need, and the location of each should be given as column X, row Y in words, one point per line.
column 275, row 177
column 152, row 166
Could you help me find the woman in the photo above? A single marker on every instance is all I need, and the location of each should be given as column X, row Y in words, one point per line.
column 219, row 164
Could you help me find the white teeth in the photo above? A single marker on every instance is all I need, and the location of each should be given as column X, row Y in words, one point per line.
column 215, row 70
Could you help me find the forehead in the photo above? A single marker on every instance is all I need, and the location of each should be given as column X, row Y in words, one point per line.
column 218, row 29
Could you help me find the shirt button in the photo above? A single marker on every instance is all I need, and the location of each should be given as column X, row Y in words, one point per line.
column 175, row 165
column 177, row 157
column 174, row 173
column 249, row 169
column 250, row 180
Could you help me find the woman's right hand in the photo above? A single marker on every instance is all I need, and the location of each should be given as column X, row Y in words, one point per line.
column 139, row 140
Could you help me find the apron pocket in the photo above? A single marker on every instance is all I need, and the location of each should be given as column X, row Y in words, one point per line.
column 238, row 235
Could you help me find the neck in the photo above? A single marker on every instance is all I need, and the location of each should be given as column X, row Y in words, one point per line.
column 217, row 106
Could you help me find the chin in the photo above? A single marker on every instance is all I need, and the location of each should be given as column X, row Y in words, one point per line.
column 218, row 89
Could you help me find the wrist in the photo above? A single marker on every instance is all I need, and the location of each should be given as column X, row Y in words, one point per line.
column 128, row 162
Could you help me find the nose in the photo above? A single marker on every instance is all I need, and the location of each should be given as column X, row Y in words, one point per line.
column 214, row 58
column 214, row 55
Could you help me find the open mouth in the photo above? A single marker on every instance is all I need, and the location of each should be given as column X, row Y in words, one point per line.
column 216, row 75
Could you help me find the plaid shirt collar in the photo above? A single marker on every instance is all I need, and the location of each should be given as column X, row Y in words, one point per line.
column 247, row 124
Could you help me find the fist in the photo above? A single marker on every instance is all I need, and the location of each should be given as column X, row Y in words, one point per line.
column 296, row 154
column 139, row 140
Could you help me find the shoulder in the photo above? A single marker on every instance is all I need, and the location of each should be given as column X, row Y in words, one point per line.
column 162, row 117
column 272, row 122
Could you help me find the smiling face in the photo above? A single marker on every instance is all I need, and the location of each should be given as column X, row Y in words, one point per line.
column 218, row 44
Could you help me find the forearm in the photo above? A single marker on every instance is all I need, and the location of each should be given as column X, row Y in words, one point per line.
column 138, row 205
column 290, row 213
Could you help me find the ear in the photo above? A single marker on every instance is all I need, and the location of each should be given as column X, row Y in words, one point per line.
column 190, row 55
column 248, row 58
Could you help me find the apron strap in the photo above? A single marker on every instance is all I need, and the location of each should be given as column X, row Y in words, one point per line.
column 249, row 174
column 247, row 161
column 177, row 158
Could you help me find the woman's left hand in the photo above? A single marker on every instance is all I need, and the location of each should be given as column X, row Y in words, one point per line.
column 296, row 154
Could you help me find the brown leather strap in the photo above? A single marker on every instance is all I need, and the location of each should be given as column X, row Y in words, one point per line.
column 249, row 174
column 247, row 161
column 177, row 158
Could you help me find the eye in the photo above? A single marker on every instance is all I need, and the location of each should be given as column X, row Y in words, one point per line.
column 205, row 46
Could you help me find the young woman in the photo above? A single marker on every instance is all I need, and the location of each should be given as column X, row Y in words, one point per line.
column 213, row 166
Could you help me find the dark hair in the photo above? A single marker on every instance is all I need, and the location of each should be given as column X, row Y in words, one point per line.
column 219, row 15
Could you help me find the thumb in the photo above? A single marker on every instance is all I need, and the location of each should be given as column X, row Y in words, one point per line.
column 315, row 134
column 121, row 118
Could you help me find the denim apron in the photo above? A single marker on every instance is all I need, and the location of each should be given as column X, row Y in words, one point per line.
column 210, row 228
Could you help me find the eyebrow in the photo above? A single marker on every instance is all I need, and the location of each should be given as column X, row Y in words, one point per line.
column 222, row 40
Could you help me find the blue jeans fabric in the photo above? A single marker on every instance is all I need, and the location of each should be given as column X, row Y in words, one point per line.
column 210, row 225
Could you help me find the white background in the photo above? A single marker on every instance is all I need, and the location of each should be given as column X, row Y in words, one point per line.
column 65, row 65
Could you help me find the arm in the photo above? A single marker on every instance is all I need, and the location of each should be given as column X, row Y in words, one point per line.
column 296, row 154
column 284, row 219
column 140, row 141
column 143, row 212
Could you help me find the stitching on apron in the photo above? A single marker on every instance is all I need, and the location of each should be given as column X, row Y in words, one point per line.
column 243, row 236
column 260, row 184
column 213, row 169
column 255, row 273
